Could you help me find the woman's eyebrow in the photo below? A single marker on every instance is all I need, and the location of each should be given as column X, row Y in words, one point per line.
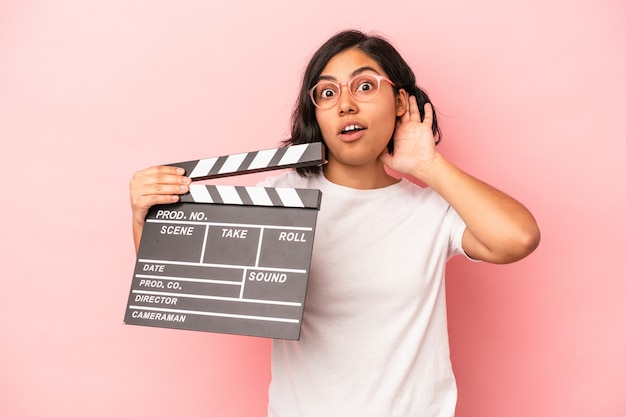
column 361, row 70
column 353, row 74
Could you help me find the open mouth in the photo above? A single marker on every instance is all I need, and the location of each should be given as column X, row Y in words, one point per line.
column 352, row 128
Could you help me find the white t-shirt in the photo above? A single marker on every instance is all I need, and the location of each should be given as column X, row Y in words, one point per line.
column 374, row 338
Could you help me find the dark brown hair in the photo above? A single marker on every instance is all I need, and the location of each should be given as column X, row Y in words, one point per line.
column 304, row 126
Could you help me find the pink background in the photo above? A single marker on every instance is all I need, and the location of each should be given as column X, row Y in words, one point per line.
column 532, row 95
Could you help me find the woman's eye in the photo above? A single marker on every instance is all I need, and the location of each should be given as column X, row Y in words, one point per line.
column 327, row 93
column 365, row 86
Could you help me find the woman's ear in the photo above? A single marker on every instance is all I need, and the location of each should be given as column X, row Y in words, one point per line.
column 402, row 102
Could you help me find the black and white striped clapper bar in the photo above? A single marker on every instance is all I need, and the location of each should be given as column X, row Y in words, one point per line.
column 229, row 259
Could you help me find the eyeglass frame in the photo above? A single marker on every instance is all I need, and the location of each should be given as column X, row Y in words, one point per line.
column 339, row 86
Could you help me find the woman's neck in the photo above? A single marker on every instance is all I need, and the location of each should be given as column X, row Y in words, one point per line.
column 362, row 177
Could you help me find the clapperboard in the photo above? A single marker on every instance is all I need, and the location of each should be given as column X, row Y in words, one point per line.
column 229, row 259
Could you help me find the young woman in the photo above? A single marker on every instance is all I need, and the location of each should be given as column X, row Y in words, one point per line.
column 374, row 336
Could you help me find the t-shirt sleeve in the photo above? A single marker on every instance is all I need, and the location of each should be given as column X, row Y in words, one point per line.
column 457, row 228
column 285, row 180
column 267, row 182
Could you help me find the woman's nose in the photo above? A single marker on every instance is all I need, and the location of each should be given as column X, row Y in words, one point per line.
column 346, row 103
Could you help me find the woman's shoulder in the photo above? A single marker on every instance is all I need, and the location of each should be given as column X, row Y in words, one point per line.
column 288, row 179
column 414, row 191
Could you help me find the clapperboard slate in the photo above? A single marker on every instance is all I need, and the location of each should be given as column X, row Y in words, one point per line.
column 229, row 259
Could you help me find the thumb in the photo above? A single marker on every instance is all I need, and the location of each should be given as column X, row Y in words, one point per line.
column 385, row 158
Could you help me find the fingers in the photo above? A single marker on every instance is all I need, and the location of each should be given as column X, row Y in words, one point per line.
column 158, row 172
column 156, row 185
column 162, row 179
column 428, row 114
column 413, row 112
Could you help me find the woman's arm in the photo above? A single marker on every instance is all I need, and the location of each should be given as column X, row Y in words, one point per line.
column 499, row 228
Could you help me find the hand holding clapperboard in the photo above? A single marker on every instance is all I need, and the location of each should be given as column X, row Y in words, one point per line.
column 229, row 259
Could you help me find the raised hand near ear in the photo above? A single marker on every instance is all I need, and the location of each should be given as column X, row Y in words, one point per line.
column 414, row 142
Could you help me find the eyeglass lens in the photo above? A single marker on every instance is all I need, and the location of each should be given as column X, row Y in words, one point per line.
column 363, row 88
